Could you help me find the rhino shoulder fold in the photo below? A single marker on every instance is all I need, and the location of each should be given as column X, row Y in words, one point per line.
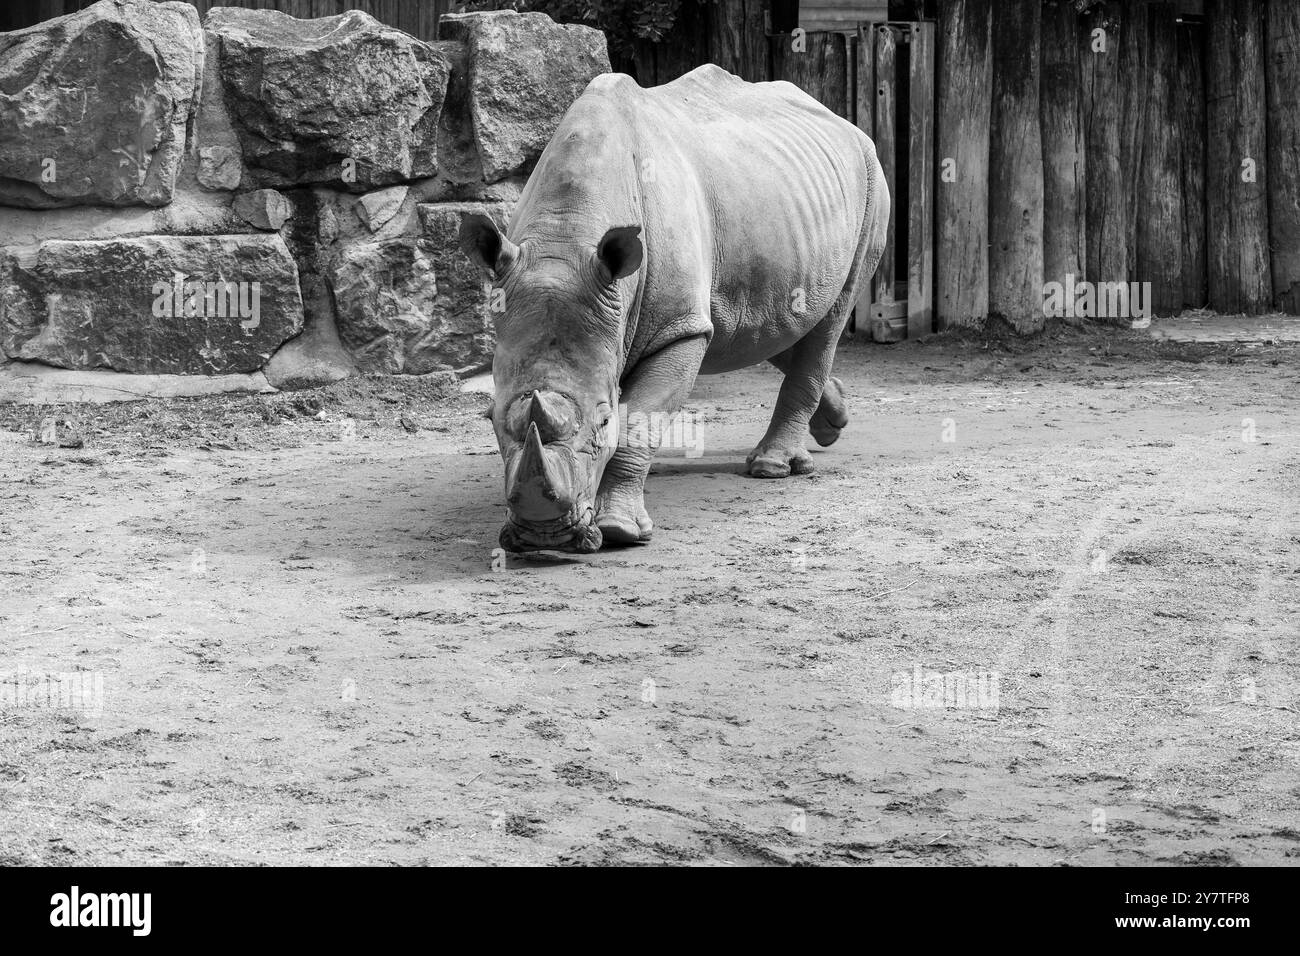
column 611, row 83
column 708, row 75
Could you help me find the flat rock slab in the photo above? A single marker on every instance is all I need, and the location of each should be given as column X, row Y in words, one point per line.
column 196, row 305
column 28, row 383
column 342, row 100
column 1228, row 328
column 93, row 105
column 479, row 383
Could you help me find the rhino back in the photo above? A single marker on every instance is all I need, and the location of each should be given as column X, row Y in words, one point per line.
column 751, row 196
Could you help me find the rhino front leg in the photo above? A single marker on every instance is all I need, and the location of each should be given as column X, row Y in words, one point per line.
column 653, row 391
column 804, row 390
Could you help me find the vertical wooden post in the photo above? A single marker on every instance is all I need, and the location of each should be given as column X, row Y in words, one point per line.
column 1160, row 196
column 1064, row 170
column 1282, row 68
column 1191, row 115
column 963, row 95
column 865, row 95
column 886, row 103
column 1134, row 47
column 1240, row 272
column 643, row 63
column 864, row 99
column 737, row 40
column 1016, row 168
column 431, row 12
column 836, row 92
column 850, row 78
column 920, row 178
column 1105, row 247
column 819, row 69
column 686, row 47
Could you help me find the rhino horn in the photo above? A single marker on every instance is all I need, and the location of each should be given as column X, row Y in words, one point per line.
column 550, row 420
column 537, row 492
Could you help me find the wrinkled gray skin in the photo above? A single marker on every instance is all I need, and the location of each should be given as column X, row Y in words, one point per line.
column 701, row 226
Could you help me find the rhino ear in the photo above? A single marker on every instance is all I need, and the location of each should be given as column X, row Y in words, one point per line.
column 485, row 244
column 620, row 252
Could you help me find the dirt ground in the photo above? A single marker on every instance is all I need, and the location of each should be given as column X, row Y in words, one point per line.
column 307, row 656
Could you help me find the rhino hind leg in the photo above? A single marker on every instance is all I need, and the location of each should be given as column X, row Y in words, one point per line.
column 832, row 413
column 831, row 416
column 810, row 398
column 809, row 401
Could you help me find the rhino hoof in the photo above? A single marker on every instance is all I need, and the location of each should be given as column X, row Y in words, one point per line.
column 831, row 416
column 509, row 539
column 588, row 541
column 620, row 530
column 778, row 464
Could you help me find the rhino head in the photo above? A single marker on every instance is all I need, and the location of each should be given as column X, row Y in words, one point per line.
column 560, row 323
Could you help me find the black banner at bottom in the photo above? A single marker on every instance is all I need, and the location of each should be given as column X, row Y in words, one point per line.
column 1221, row 907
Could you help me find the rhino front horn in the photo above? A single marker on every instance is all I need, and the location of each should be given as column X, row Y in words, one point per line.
column 537, row 492
column 551, row 421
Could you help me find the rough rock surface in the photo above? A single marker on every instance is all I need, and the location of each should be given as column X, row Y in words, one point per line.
column 375, row 209
column 219, row 168
column 117, row 304
column 516, row 96
column 384, row 292
column 94, row 105
column 263, row 208
column 415, row 304
column 462, row 305
column 357, row 145
column 342, row 100
column 221, row 160
column 458, row 160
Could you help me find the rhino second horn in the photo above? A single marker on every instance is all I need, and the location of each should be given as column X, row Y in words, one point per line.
column 552, row 423
column 537, row 492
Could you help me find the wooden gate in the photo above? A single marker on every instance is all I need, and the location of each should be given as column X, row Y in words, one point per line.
column 881, row 77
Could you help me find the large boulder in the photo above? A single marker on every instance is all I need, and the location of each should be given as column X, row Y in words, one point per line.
column 416, row 304
column 197, row 305
column 524, row 71
column 94, row 105
column 343, row 100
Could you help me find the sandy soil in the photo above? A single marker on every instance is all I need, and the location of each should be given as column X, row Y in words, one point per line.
column 307, row 656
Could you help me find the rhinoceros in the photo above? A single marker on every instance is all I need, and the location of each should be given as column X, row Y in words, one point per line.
column 697, row 227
